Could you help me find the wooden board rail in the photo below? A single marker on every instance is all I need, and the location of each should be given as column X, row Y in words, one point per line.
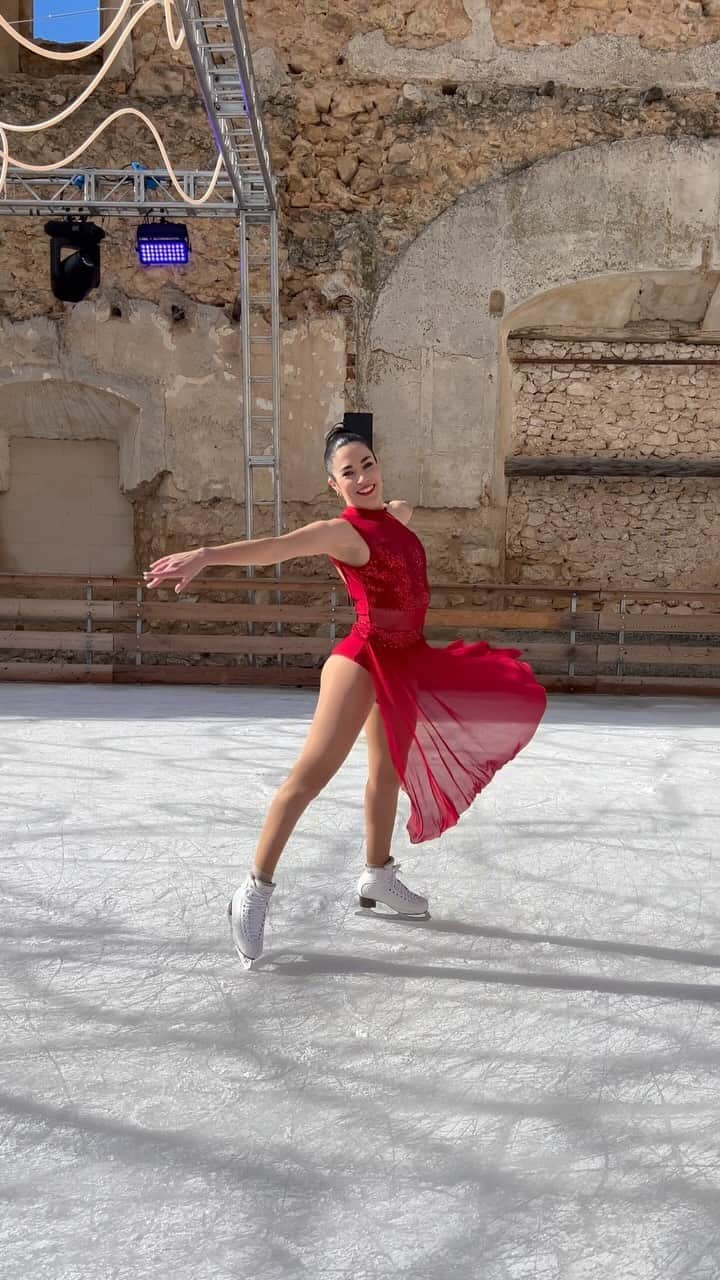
column 594, row 465
column 153, row 643
column 26, row 583
column 261, row 630
column 18, row 610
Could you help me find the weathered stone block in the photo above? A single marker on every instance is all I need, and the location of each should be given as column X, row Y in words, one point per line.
column 400, row 153
column 365, row 180
column 349, row 100
column 347, row 167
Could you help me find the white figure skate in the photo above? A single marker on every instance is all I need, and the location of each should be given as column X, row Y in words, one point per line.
column 380, row 884
column 247, row 910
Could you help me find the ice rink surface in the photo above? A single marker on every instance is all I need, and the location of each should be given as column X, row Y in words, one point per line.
column 524, row 1087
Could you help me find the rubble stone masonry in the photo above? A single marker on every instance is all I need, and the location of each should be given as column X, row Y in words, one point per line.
column 614, row 530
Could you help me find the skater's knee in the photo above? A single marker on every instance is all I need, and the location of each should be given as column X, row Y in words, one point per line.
column 305, row 783
column 382, row 777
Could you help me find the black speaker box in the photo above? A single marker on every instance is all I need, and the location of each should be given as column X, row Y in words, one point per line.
column 361, row 424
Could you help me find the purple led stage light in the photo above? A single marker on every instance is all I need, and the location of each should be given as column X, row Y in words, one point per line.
column 163, row 244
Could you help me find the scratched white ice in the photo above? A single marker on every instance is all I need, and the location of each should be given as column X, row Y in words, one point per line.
column 524, row 1087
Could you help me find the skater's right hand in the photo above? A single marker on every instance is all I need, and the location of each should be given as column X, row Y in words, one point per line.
column 184, row 565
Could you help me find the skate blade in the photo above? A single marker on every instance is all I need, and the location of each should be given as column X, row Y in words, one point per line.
column 374, row 914
column 245, row 961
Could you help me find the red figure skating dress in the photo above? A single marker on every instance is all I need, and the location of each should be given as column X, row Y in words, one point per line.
column 454, row 715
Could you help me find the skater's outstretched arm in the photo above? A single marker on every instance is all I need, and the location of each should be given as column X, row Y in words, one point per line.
column 321, row 538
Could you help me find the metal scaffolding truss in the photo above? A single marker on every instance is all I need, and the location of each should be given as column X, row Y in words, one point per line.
column 220, row 53
column 117, row 193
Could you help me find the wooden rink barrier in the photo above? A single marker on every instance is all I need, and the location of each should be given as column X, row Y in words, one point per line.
column 268, row 631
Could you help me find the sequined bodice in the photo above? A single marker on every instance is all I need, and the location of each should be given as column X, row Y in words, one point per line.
column 390, row 593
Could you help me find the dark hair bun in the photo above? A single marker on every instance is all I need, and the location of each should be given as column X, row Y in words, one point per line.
column 338, row 429
column 338, row 436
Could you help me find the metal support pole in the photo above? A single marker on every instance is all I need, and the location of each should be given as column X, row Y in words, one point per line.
column 138, row 624
column 246, row 399
column 620, row 669
column 88, row 625
column 275, row 335
column 259, row 292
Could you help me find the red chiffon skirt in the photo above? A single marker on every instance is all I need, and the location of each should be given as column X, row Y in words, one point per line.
column 453, row 716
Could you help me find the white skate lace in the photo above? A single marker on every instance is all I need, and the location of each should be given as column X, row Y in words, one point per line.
column 400, row 888
column 254, row 910
column 406, row 893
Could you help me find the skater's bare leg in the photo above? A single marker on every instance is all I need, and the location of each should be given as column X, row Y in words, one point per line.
column 381, row 792
column 346, row 696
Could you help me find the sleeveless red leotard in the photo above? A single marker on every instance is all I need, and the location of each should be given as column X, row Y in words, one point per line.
column 454, row 715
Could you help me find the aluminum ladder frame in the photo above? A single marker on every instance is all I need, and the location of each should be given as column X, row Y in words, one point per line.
column 220, row 51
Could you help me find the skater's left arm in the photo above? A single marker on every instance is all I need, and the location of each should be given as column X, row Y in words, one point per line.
column 401, row 510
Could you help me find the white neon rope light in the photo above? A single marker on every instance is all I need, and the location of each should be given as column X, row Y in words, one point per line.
column 73, row 106
column 175, row 41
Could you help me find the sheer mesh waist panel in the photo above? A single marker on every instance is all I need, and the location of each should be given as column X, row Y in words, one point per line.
column 393, row 619
column 395, row 628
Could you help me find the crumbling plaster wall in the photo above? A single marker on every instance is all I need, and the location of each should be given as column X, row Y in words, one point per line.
column 168, row 391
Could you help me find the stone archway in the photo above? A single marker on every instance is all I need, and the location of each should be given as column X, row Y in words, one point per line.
column 435, row 352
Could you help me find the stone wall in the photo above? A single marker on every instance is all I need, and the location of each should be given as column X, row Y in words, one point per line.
column 436, row 160
column 614, row 531
column 616, row 410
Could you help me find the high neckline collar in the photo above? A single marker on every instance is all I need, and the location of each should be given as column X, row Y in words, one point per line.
column 372, row 513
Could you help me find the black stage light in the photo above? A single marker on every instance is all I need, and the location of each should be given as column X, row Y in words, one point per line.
column 361, row 424
column 74, row 258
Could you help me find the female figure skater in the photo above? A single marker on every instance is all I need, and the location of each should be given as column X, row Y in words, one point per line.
column 438, row 721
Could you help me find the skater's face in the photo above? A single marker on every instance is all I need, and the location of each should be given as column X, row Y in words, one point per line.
column 356, row 476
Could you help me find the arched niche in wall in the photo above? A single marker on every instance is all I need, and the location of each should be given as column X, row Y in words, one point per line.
column 436, row 345
column 631, row 318
column 64, row 448
column 611, row 432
